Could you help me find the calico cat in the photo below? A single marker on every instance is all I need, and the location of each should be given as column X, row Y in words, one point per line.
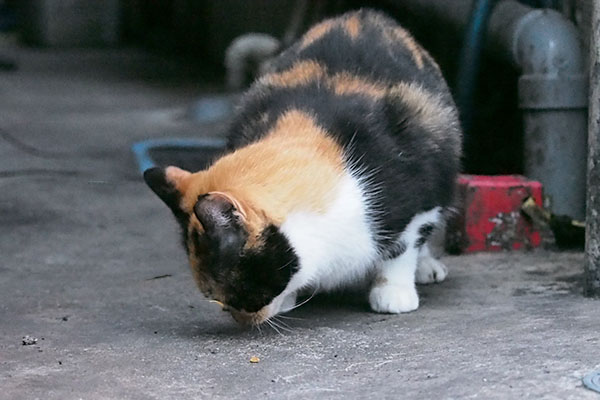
column 341, row 161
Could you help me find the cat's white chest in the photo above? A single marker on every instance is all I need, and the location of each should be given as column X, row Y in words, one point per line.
column 335, row 247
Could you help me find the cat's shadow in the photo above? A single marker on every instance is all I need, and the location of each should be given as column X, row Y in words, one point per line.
column 329, row 307
column 331, row 310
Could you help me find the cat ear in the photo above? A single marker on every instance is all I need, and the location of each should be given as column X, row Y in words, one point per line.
column 164, row 183
column 219, row 217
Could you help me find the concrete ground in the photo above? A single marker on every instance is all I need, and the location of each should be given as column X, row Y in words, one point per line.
column 90, row 266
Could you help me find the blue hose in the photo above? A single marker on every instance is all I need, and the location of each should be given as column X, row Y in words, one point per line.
column 470, row 60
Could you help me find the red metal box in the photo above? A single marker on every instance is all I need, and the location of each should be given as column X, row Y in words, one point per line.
column 489, row 217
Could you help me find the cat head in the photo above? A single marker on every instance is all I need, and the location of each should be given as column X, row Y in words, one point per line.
column 238, row 258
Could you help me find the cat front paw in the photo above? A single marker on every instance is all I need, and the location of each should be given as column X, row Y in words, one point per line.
column 393, row 299
column 430, row 270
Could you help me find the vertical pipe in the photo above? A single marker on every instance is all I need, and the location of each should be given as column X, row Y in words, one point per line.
column 592, row 234
column 546, row 48
column 553, row 98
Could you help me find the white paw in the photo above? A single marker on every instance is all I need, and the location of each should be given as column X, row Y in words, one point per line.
column 394, row 299
column 430, row 270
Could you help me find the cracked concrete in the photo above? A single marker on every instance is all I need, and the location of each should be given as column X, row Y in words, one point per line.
column 82, row 239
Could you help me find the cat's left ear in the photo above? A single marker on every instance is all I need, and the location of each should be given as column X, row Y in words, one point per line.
column 221, row 219
column 164, row 183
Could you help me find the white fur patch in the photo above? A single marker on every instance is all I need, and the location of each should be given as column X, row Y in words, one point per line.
column 411, row 232
column 393, row 298
column 334, row 248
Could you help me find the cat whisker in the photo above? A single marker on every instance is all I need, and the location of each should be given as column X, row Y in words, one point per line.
column 305, row 301
column 351, row 142
column 282, row 323
column 288, row 317
column 285, row 265
column 257, row 326
column 270, row 323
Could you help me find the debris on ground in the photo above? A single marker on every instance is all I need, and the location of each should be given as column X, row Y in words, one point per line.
column 29, row 340
column 568, row 233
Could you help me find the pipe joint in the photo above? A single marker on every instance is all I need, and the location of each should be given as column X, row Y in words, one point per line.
column 545, row 42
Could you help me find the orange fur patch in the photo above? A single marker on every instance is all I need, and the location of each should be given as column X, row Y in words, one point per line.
column 352, row 26
column 316, row 32
column 296, row 166
column 429, row 110
column 346, row 83
column 299, row 74
column 343, row 83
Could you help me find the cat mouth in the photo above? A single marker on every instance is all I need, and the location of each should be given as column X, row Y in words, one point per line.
column 281, row 304
column 244, row 317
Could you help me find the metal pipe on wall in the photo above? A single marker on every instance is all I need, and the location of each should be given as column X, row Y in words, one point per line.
column 553, row 98
column 545, row 47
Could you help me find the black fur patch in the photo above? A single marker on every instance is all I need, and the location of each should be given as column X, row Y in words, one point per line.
column 261, row 274
column 156, row 179
column 222, row 228
column 248, row 279
column 395, row 250
column 424, row 232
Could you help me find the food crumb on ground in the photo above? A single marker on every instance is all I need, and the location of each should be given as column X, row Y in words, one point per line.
column 254, row 359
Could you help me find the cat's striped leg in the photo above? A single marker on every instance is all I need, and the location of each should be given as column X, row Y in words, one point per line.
column 393, row 289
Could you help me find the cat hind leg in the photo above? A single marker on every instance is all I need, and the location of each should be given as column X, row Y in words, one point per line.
column 429, row 269
column 393, row 290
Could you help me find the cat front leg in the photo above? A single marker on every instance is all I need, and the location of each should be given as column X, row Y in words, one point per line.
column 393, row 289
